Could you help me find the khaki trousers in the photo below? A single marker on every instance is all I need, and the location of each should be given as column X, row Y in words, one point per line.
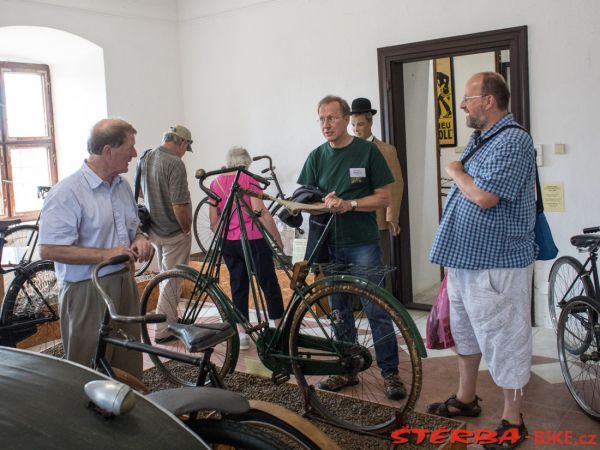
column 82, row 312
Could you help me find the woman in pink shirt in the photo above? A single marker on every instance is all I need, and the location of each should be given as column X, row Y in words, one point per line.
column 232, row 248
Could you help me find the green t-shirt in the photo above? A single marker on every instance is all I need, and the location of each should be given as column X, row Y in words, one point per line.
column 353, row 172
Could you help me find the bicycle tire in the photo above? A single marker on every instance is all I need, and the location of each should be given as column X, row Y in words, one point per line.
column 20, row 243
column 202, row 232
column 563, row 272
column 360, row 405
column 579, row 327
column 32, row 296
column 234, row 435
column 142, row 266
column 224, row 356
column 286, row 425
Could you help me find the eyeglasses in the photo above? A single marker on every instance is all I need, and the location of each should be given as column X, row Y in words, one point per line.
column 328, row 119
column 471, row 97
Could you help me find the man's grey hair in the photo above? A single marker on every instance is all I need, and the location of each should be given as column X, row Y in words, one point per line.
column 344, row 107
column 172, row 137
column 237, row 156
column 112, row 132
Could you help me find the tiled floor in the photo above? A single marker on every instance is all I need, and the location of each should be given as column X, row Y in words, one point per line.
column 547, row 404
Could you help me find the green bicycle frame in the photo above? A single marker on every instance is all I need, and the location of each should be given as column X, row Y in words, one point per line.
column 272, row 343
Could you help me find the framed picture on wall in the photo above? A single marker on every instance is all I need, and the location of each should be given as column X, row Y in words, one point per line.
column 446, row 106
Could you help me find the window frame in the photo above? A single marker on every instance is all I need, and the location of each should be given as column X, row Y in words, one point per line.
column 9, row 145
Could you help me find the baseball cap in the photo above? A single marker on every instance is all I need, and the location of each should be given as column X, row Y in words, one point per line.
column 183, row 133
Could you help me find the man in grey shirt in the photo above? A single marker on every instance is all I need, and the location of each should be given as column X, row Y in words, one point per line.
column 167, row 197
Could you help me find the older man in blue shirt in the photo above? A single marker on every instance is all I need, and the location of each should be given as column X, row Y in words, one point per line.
column 486, row 240
column 87, row 218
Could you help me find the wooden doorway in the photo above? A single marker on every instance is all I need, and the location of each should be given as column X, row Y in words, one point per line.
column 392, row 61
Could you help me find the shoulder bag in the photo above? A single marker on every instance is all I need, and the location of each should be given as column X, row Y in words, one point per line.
column 543, row 234
column 143, row 213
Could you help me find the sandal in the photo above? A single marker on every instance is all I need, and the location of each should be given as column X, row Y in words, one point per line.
column 471, row 409
column 521, row 431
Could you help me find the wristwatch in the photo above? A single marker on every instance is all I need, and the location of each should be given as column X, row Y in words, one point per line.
column 353, row 204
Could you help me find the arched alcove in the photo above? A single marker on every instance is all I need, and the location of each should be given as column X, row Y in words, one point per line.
column 78, row 83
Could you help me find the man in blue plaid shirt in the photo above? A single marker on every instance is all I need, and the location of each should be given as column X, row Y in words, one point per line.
column 486, row 241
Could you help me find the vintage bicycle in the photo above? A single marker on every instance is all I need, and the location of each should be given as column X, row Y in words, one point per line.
column 305, row 343
column 201, row 222
column 29, row 314
column 574, row 292
column 233, row 419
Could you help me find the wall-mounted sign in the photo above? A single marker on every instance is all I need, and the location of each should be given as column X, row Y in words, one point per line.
column 446, row 108
column 553, row 195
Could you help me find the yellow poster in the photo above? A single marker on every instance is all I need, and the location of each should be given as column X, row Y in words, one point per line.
column 553, row 195
column 445, row 99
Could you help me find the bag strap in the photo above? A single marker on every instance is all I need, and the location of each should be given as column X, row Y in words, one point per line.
column 489, row 138
column 138, row 178
column 539, row 204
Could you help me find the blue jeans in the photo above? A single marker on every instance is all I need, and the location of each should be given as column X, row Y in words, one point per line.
column 386, row 346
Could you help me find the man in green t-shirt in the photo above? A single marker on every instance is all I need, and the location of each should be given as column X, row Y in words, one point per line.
column 357, row 179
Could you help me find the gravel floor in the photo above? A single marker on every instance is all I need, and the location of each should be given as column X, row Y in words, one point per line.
column 288, row 395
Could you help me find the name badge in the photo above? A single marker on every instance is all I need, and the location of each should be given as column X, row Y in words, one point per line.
column 358, row 172
column 357, row 175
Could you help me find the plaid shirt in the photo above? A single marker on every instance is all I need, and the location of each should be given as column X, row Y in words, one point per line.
column 470, row 237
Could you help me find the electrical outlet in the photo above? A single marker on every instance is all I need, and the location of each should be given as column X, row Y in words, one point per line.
column 559, row 149
column 539, row 155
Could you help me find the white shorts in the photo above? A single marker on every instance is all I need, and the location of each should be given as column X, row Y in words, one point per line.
column 490, row 313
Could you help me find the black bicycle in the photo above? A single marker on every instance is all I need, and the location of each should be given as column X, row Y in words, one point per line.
column 29, row 314
column 575, row 293
column 231, row 419
column 201, row 223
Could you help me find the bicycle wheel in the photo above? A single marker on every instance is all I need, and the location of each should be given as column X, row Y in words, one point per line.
column 20, row 244
column 178, row 286
column 317, row 351
column 286, row 425
column 224, row 434
column 202, row 232
column 579, row 328
column 563, row 273
column 30, row 308
column 142, row 266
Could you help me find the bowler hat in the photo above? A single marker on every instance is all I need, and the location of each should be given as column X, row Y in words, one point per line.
column 362, row 106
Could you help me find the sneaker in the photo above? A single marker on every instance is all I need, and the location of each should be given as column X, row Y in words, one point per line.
column 393, row 387
column 244, row 341
column 336, row 382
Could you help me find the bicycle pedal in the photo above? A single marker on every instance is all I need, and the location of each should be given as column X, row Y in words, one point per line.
column 280, row 378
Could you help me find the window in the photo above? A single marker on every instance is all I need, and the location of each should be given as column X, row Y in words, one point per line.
column 28, row 157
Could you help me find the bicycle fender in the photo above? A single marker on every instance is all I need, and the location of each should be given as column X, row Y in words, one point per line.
column 393, row 301
column 187, row 400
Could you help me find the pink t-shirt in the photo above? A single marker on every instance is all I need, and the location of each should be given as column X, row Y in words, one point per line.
column 222, row 186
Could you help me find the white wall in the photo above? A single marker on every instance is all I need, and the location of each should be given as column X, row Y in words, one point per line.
column 142, row 74
column 77, row 78
column 253, row 76
column 253, row 71
column 421, row 171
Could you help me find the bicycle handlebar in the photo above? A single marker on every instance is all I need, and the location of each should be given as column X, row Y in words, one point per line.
column 591, row 230
column 148, row 318
column 266, row 169
column 202, row 175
